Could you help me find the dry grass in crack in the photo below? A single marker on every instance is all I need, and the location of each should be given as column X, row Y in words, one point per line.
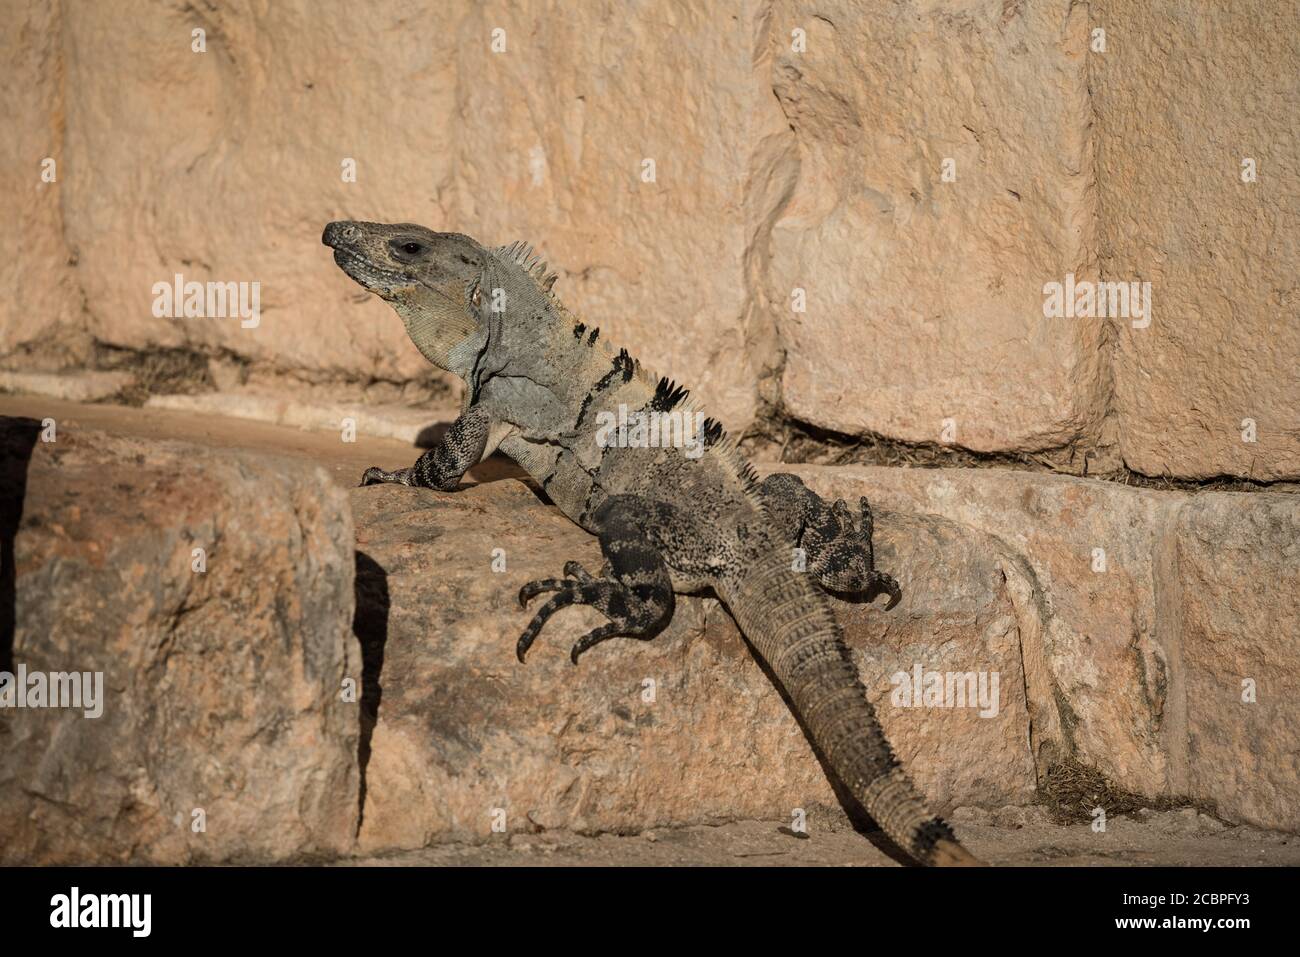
column 157, row 372
column 1072, row 791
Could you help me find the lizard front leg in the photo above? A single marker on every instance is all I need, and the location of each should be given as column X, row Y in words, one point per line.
column 634, row 591
column 442, row 467
column 840, row 557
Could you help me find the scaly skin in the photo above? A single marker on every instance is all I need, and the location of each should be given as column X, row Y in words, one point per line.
column 672, row 518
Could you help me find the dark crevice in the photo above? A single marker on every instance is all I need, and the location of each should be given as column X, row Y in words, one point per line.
column 777, row 436
column 370, row 625
column 17, row 440
column 188, row 370
column 156, row 371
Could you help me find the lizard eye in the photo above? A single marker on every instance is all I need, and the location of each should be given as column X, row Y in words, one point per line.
column 411, row 248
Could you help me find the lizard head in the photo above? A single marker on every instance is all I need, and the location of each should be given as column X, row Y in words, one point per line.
column 408, row 264
column 433, row 281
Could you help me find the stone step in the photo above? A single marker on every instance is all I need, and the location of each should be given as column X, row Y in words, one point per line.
column 414, row 426
column 687, row 728
column 1164, row 647
column 1167, row 661
column 218, row 729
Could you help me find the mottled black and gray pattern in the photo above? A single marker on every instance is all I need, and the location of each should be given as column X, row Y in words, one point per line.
column 839, row 555
column 672, row 517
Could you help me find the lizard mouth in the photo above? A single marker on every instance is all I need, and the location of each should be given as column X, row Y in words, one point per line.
column 365, row 273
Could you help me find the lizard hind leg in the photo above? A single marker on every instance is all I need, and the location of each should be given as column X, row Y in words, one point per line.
column 840, row 557
column 843, row 557
column 634, row 590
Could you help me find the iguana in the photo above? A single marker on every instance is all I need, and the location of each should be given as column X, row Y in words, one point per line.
column 542, row 388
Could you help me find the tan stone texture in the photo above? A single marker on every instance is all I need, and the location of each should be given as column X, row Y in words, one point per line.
column 1103, row 692
column 36, row 272
column 225, row 165
column 1135, row 658
column 1184, row 95
column 924, row 297
column 553, row 140
column 1239, row 597
column 795, row 147
column 223, row 689
column 226, row 684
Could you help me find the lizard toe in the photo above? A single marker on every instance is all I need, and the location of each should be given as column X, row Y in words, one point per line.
column 881, row 581
column 595, row 637
column 535, row 626
column 534, row 588
column 575, row 570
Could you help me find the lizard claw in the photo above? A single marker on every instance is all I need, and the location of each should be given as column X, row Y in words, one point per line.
column 572, row 570
column 575, row 570
column 880, row 581
column 534, row 588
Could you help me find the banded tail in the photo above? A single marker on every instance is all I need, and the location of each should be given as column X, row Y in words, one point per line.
column 791, row 625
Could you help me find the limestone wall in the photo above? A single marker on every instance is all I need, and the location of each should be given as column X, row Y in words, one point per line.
column 853, row 210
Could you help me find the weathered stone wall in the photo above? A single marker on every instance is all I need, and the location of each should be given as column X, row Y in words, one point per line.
column 910, row 174
column 41, row 284
column 1157, row 629
column 1188, row 97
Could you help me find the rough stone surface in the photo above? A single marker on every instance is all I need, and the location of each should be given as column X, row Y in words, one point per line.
column 36, row 270
column 1239, row 603
column 1137, row 670
column 1199, row 587
column 464, row 729
column 554, row 136
column 73, row 386
column 1220, row 254
column 536, row 143
column 818, row 168
column 225, row 165
column 222, row 689
column 924, row 297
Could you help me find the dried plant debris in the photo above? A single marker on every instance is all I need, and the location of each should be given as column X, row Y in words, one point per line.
column 1072, row 793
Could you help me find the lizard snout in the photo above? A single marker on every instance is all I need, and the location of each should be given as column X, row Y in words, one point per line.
column 339, row 232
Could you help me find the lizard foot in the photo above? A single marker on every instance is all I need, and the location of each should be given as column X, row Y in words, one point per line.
column 845, row 561
column 839, row 554
column 377, row 476
column 634, row 610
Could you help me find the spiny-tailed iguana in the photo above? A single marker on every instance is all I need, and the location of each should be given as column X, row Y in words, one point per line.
column 543, row 388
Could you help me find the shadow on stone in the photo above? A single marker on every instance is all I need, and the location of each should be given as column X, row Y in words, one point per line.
column 370, row 625
column 17, row 439
column 431, row 435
